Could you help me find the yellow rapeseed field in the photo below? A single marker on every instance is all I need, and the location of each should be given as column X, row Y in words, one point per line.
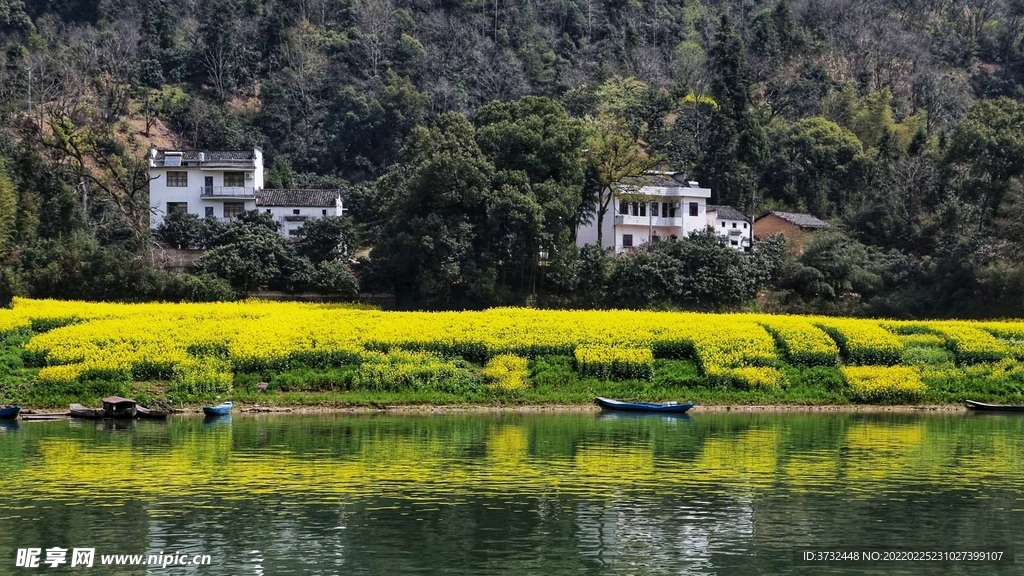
column 200, row 347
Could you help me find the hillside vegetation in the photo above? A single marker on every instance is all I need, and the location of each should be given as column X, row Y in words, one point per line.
column 470, row 136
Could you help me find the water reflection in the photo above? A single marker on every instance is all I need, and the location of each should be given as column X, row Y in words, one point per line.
column 511, row 494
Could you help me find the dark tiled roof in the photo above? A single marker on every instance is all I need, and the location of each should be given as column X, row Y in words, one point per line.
column 727, row 213
column 297, row 197
column 801, row 220
column 210, row 155
column 661, row 180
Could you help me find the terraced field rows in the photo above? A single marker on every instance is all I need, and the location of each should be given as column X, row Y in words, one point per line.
column 199, row 347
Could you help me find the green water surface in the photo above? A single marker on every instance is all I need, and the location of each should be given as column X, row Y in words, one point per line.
column 488, row 494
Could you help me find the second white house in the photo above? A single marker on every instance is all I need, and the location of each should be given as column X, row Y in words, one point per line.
column 223, row 184
column 664, row 206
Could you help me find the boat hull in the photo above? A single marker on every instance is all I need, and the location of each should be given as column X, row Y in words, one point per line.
column 9, row 412
column 982, row 407
column 79, row 411
column 219, row 410
column 616, row 405
column 148, row 414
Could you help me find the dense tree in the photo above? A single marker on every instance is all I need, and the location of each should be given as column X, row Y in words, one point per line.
column 324, row 239
column 617, row 159
column 878, row 116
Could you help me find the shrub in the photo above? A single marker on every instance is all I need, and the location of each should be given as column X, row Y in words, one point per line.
column 609, row 363
column 803, row 343
column 401, row 370
column 205, row 376
column 507, row 373
column 335, row 277
column 884, row 384
column 197, row 288
column 972, row 345
column 758, row 378
column 862, row 342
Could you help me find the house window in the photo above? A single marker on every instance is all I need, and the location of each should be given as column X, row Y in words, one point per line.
column 209, row 211
column 654, row 209
column 234, row 179
column 643, row 209
column 294, row 232
column 623, row 207
column 668, row 210
column 325, row 214
column 233, row 209
column 268, row 210
column 744, row 225
column 693, row 209
column 295, row 211
column 627, row 240
column 177, row 207
column 177, row 179
column 734, row 243
column 733, row 224
column 723, row 224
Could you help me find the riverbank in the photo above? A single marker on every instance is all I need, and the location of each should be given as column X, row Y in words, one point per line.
column 414, row 409
column 289, row 355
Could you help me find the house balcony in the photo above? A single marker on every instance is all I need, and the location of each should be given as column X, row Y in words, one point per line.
column 735, row 232
column 227, row 192
column 621, row 219
column 294, row 218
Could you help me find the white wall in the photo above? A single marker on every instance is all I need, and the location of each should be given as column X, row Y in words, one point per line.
column 742, row 240
column 613, row 233
column 288, row 228
column 160, row 193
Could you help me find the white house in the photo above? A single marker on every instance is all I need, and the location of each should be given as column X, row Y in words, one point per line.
column 223, row 184
column 292, row 207
column 661, row 206
column 735, row 226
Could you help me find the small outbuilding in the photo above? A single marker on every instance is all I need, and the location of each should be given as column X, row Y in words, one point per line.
column 797, row 228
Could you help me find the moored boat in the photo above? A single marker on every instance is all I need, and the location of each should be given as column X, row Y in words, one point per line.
column 9, row 412
column 219, row 410
column 660, row 407
column 117, row 407
column 79, row 411
column 982, row 407
column 149, row 414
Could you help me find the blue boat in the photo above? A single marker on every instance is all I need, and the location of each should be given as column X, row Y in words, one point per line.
column 219, row 410
column 661, row 408
column 9, row 412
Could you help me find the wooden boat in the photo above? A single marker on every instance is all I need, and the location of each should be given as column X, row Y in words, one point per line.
column 659, row 408
column 146, row 413
column 219, row 410
column 117, row 407
column 9, row 412
column 79, row 411
column 982, row 407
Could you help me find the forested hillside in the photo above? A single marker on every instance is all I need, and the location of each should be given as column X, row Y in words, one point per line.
column 469, row 136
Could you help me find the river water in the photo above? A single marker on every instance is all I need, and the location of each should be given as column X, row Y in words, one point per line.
column 491, row 494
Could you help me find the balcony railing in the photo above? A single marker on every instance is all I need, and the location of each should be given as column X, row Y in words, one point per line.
column 227, row 192
column 621, row 219
column 294, row 218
